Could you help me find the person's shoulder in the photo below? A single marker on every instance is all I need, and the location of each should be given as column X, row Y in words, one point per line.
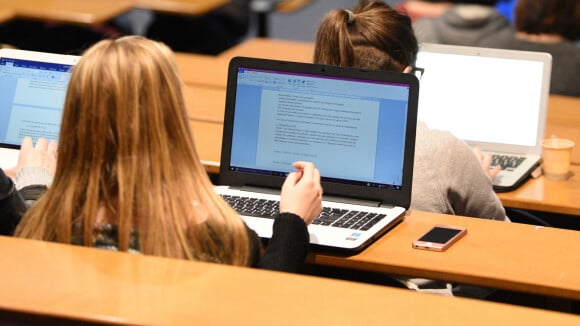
column 436, row 135
column 443, row 144
column 565, row 51
column 568, row 47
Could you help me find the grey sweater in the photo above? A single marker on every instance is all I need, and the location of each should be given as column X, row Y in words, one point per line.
column 448, row 178
column 469, row 25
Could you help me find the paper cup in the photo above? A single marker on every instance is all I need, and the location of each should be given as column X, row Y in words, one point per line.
column 556, row 158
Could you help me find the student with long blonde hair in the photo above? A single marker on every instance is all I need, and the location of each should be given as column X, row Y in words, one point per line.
column 128, row 176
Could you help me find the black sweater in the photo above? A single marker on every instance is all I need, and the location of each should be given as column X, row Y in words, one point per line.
column 12, row 205
column 286, row 250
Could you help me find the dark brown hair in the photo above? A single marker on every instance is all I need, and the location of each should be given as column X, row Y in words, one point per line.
column 371, row 36
column 561, row 17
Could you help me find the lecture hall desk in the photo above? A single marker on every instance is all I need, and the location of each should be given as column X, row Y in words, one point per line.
column 181, row 7
column 562, row 197
column 67, row 11
column 6, row 15
column 541, row 194
column 211, row 71
column 49, row 283
column 99, row 11
column 509, row 256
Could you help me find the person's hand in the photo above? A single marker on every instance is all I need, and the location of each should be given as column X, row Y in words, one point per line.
column 42, row 155
column 302, row 193
column 485, row 161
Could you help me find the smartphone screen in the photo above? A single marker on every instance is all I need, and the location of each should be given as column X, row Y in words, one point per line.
column 439, row 238
column 440, row 235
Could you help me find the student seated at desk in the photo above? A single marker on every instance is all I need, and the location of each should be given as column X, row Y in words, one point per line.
column 551, row 26
column 467, row 22
column 448, row 178
column 128, row 176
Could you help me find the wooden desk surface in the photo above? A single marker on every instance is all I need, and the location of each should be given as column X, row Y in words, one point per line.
column 289, row 6
column 202, row 70
column 208, row 142
column 68, row 11
column 564, row 121
column 272, row 49
column 6, row 14
column 41, row 280
column 502, row 255
column 205, row 103
column 182, row 7
column 212, row 71
column 541, row 194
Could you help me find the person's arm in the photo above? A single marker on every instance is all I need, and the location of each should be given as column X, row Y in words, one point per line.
column 485, row 160
column 36, row 163
column 300, row 203
column 471, row 190
column 287, row 249
column 35, row 170
column 12, row 205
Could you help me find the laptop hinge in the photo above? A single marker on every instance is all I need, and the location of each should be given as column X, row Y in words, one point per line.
column 352, row 201
column 262, row 190
column 337, row 199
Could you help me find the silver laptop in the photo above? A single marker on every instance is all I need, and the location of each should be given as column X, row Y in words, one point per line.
column 32, row 92
column 494, row 99
column 357, row 126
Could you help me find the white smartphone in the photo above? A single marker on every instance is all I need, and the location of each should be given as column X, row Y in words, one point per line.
column 440, row 237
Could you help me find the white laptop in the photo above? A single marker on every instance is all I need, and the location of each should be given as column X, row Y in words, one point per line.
column 357, row 126
column 494, row 99
column 32, row 92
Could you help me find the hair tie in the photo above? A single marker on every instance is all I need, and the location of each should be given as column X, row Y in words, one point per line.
column 350, row 16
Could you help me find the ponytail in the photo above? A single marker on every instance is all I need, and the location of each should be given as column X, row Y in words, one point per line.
column 333, row 42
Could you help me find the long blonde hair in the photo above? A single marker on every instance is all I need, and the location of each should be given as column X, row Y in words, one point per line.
column 126, row 152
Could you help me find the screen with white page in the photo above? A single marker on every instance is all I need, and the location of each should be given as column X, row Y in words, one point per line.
column 352, row 130
column 483, row 99
column 32, row 99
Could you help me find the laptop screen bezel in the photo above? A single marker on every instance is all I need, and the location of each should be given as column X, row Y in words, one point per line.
column 397, row 197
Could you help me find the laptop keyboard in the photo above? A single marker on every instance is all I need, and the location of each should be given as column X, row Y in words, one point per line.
column 342, row 218
column 507, row 162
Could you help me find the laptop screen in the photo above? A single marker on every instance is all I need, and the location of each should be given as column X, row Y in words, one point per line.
column 352, row 129
column 31, row 100
column 483, row 95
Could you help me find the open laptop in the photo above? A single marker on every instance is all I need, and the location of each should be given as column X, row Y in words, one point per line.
column 357, row 126
column 494, row 99
column 32, row 92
